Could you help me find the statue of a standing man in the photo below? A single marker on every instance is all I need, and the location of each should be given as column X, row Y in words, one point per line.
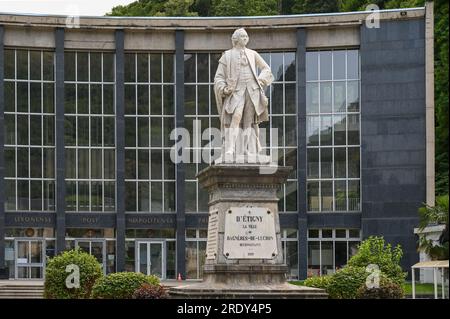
column 241, row 101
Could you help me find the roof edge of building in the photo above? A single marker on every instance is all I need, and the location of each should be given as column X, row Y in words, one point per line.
column 279, row 21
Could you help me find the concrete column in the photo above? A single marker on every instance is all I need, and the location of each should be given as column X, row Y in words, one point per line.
column 120, row 152
column 301, row 154
column 179, row 168
column 2, row 153
column 60, row 151
column 429, row 102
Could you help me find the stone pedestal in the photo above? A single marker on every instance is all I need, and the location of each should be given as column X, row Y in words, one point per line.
column 244, row 257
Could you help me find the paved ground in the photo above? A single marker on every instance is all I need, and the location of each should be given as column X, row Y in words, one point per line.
column 167, row 283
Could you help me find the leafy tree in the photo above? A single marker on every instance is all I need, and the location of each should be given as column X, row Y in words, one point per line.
column 441, row 94
column 55, row 286
column 315, row 6
column 203, row 8
column 374, row 250
column 138, row 8
column 435, row 215
column 245, row 8
column 177, row 8
column 360, row 5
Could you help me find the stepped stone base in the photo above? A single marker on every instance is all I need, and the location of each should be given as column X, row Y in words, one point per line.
column 16, row 289
column 205, row 290
column 253, row 281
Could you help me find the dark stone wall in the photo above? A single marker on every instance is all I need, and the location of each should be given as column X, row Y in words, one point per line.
column 393, row 166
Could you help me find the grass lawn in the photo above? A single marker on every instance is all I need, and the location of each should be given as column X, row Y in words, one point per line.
column 421, row 289
column 297, row 282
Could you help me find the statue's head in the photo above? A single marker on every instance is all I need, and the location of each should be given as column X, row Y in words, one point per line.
column 240, row 36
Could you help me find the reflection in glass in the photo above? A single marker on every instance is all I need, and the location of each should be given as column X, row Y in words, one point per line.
column 326, row 137
column 143, row 197
column 340, row 163
column 353, row 162
column 312, row 130
column 312, row 66
column 312, row 98
column 327, row 259
column 339, row 64
column 22, row 96
column 353, row 96
column 340, row 254
column 35, row 98
column 326, row 162
column 325, row 65
column 325, row 97
column 313, row 258
column 156, row 197
column 353, row 129
column 313, row 196
column 289, row 66
column 340, row 190
column 155, row 67
column 339, row 129
column 339, row 97
column 353, row 196
column 352, row 64
column 326, row 188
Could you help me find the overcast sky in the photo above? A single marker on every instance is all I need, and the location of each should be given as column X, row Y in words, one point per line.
column 63, row 7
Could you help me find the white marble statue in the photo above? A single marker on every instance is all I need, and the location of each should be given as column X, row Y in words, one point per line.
column 241, row 101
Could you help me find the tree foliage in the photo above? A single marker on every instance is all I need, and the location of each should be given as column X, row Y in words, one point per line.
column 55, row 275
column 374, row 250
column 435, row 215
column 315, row 6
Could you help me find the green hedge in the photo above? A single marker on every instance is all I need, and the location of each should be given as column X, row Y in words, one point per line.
column 322, row 282
column 346, row 282
column 388, row 290
column 55, row 275
column 121, row 285
column 374, row 250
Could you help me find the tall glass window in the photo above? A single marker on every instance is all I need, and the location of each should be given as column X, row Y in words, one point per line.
column 333, row 130
column 149, row 119
column 89, row 106
column 195, row 252
column 289, row 244
column 330, row 249
column 200, row 105
column 29, row 130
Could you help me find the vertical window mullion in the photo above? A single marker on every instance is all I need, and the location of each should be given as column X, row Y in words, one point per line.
column 15, row 125
column 90, row 133
column 42, row 131
column 29, row 133
column 103, row 134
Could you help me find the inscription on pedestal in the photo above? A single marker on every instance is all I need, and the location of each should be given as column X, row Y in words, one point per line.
column 213, row 231
column 250, row 233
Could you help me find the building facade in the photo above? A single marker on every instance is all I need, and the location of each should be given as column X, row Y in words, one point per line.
column 87, row 111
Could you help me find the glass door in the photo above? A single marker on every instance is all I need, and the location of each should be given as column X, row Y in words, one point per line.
column 95, row 248
column 29, row 257
column 150, row 259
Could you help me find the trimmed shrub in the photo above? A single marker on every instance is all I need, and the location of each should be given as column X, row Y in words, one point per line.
column 345, row 282
column 147, row 291
column 55, row 275
column 374, row 250
column 388, row 290
column 322, row 282
column 121, row 285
